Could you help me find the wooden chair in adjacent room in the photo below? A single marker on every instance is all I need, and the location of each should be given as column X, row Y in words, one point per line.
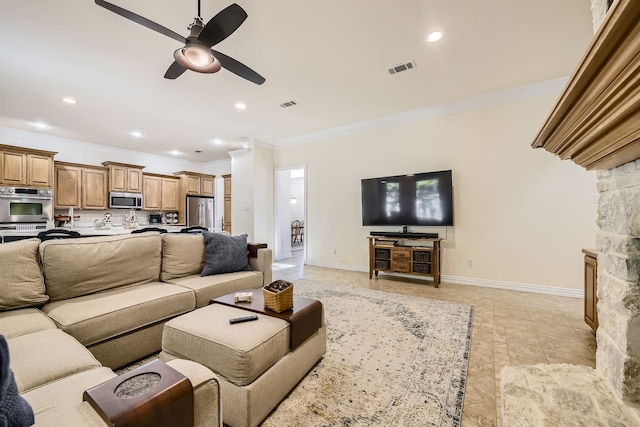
column 295, row 232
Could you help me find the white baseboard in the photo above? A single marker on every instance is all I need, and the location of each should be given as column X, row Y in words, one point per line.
column 472, row 281
column 514, row 286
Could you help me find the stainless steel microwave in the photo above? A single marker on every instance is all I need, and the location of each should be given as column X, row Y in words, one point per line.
column 125, row 200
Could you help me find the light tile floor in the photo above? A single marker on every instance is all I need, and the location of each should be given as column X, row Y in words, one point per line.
column 509, row 328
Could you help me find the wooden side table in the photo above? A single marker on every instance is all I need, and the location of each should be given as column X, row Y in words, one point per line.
column 591, row 288
column 162, row 399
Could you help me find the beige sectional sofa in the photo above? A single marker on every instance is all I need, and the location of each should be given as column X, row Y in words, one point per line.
column 74, row 309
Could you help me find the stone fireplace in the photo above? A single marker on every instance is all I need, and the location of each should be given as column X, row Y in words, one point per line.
column 596, row 124
column 618, row 245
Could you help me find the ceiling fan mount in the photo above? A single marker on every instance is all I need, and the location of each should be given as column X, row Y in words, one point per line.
column 197, row 53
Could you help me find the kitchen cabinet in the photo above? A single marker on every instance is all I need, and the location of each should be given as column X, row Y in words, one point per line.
column 197, row 184
column 14, row 168
column 67, row 182
column 161, row 192
column 80, row 186
column 26, row 167
column 39, row 170
column 170, row 194
column 226, row 224
column 206, row 186
column 124, row 178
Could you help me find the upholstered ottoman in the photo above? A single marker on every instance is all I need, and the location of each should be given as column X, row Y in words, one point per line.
column 253, row 360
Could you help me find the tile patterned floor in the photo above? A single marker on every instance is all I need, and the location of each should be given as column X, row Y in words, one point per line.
column 509, row 328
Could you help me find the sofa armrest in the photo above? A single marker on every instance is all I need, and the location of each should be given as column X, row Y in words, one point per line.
column 206, row 392
column 262, row 262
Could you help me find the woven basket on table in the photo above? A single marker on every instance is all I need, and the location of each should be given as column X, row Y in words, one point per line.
column 278, row 301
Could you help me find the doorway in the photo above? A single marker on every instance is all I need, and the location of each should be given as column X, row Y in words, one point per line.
column 291, row 235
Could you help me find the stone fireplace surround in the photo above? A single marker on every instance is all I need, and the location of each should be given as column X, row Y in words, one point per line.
column 596, row 124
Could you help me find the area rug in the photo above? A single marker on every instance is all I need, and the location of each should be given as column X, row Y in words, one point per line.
column 391, row 360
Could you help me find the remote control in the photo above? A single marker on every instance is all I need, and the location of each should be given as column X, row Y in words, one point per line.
column 243, row 319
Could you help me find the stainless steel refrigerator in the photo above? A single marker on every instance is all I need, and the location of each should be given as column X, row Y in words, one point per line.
column 200, row 212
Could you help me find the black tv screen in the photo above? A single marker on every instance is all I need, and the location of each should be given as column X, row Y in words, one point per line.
column 415, row 199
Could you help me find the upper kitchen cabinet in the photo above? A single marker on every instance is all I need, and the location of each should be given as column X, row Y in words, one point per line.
column 25, row 166
column 80, row 186
column 124, row 178
column 160, row 192
column 197, row 184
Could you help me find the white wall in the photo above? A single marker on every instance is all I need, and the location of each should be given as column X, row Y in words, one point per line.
column 297, row 191
column 242, row 188
column 252, row 188
column 283, row 214
column 94, row 154
column 218, row 168
column 521, row 214
column 263, row 196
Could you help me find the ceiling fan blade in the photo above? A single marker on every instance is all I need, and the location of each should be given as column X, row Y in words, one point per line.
column 222, row 25
column 238, row 68
column 141, row 20
column 174, row 71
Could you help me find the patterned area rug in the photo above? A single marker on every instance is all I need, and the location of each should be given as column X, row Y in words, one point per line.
column 392, row 360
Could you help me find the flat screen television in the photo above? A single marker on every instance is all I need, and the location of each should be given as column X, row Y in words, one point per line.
column 413, row 199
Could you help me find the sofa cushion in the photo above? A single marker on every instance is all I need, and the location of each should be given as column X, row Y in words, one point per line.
column 209, row 287
column 239, row 353
column 98, row 317
column 21, row 281
column 225, row 254
column 23, row 321
column 14, row 410
column 76, row 267
column 182, row 255
column 45, row 356
column 65, row 391
column 60, row 403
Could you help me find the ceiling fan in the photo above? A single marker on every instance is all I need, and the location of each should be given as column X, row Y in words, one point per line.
column 197, row 55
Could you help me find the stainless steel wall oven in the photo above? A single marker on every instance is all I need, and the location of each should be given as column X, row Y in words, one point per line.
column 25, row 205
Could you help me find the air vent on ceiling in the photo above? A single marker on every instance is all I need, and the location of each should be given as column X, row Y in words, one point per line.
column 402, row 67
column 288, row 104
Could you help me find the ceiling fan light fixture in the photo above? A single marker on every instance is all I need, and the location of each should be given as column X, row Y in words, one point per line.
column 197, row 58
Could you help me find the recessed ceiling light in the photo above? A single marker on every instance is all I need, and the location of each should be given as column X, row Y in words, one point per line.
column 241, row 106
column 69, row 100
column 175, row 153
column 216, row 141
column 136, row 134
column 41, row 125
column 434, row 36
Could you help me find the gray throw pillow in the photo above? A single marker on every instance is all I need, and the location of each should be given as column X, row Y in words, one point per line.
column 224, row 253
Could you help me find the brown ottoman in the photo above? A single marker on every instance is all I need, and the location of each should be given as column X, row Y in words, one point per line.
column 252, row 360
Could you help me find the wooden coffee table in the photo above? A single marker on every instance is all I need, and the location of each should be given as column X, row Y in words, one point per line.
column 304, row 318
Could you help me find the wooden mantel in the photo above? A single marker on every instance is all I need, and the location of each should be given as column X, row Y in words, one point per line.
column 596, row 121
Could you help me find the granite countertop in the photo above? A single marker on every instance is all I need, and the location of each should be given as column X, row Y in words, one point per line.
column 90, row 231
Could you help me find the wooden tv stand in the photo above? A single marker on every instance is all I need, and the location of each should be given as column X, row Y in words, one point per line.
column 394, row 255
